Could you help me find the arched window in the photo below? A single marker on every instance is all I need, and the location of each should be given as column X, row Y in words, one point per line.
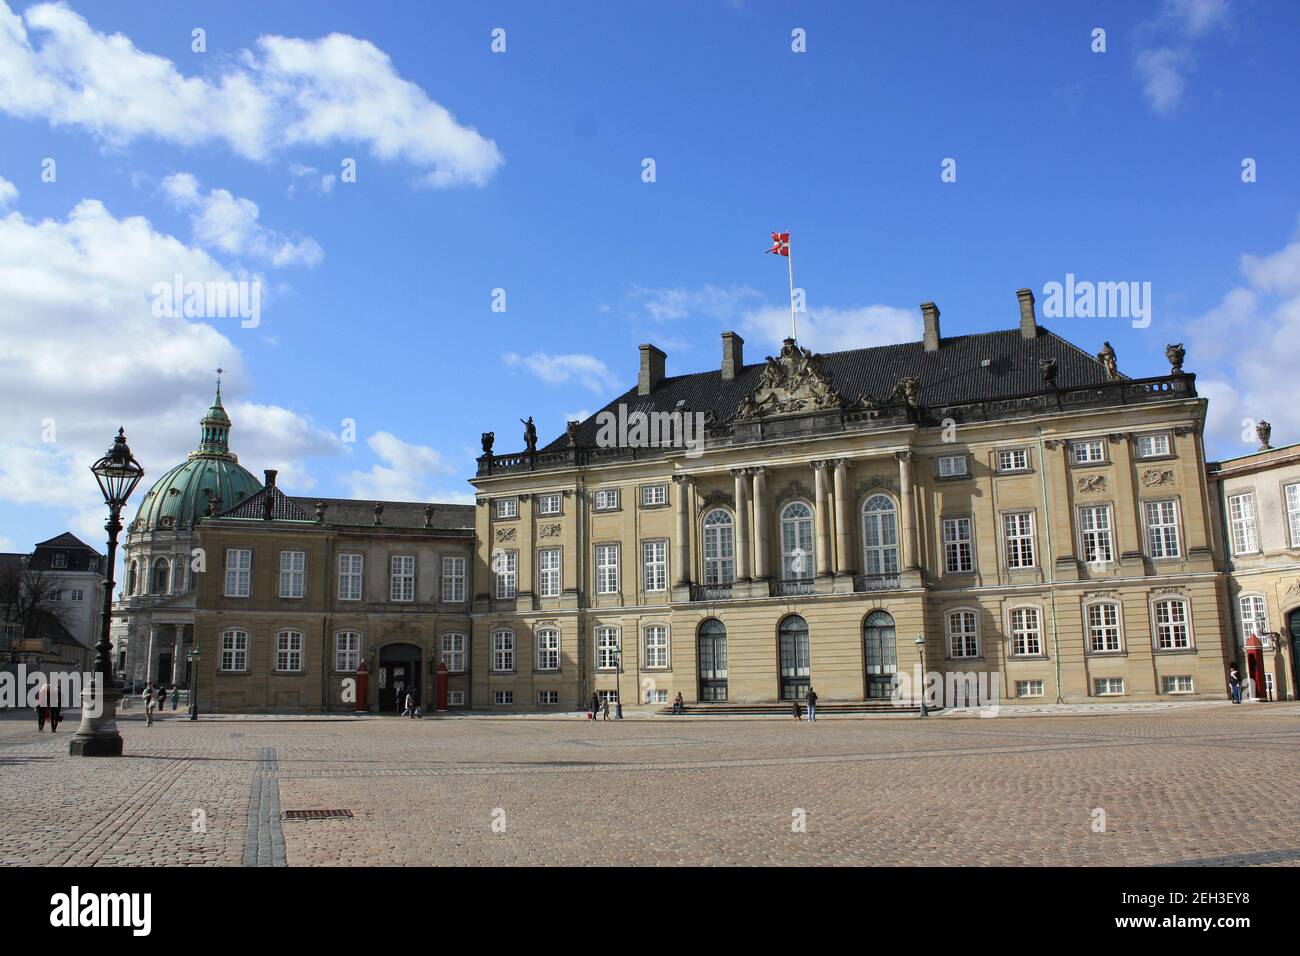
column 795, row 659
column 288, row 651
column 963, row 634
column 234, row 650
column 131, row 577
column 797, row 559
column 713, row 660
column 656, row 645
column 879, row 536
column 719, row 548
column 1254, row 615
column 161, row 577
column 880, row 652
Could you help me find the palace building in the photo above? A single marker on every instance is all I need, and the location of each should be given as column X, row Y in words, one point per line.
column 1006, row 503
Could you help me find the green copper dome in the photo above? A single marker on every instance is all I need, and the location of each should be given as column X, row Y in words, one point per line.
column 182, row 495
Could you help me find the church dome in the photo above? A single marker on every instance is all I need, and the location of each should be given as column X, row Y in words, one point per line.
column 183, row 494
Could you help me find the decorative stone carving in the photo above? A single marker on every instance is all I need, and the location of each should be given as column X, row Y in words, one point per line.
column 1155, row 477
column 1175, row 353
column 1090, row 484
column 793, row 382
column 378, row 511
column 1185, row 430
column 875, row 483
column 428, row 516
column 1053, row 443
column 908, row 391
column 571, row 433
column 548, row 531
column 506, row 534
column 1155, row 592
column 1101, row 596
column 1107, row 359
column 796, row 489
column 321, row 508
column 1047, row 368
column 717, row 497
column 530, row 435
column 487, row 439
column 1263, row 431
column 1116, row 437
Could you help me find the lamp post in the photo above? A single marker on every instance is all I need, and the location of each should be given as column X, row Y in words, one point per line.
column 193, row 658
column 920, row 646
column 117, row 473
column 618, row 684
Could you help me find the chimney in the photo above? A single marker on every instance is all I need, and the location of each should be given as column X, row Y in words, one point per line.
column 1028, row 325
column 733, row 355
column 268, row 500
column 930, row 313
column 652, row 369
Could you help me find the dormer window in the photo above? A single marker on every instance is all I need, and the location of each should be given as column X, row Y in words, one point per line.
column 60, row 559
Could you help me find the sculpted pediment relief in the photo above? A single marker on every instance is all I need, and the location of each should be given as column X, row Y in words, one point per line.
column 792, row 382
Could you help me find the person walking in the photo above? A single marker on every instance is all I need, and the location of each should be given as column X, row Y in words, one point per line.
column 42, row 706
column 162, row 696
column 798, row 711
column 811, row 700
column 595, row 705
column 149, row 698
column 1234, row 683
column 604, row 713
column 56, row 709
column 410, row 706
column 176, row 697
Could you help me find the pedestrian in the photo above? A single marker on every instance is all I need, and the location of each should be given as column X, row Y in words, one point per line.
column 42, row 706
column 56, row 709
column 679, row 705
column 176, row 697
column 595, row 706
column 149, row 698
column 605, row 710
column 1234, row 683
column 162, row 696
column 811, row 699
column 798, row 711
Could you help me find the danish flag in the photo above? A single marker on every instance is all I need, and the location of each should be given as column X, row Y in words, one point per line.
column 780, row 244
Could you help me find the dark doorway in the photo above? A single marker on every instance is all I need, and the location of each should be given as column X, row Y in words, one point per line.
column 881, row 653
column 164, row 669
column 713, row 660
column 1293, row 629
column 399, row 674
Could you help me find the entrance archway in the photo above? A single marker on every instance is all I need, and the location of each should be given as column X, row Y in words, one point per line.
column 712, row 642
column 880, row 653
column 795, row 658
column 399, row 673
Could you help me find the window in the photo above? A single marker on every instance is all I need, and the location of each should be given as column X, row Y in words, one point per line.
column 293, row 573
column 1153, row 446
column 505, row 566
column 545, row 697
column 1241, row 515
column 347, row 651
column 606, row 569
column 1029, row 688
column 503, row 650
column 131, row 578
column 1172, row 632
column 797, row 556
column 1254, row 615
column 548, row 504
column 548, row 649
column 401, row 581
column 1108, row 686
column 503, row 698
column 234, row 650
column 963, row 636
column 606, row 648
column 350, row 577
column 879, row 536
column 1103, row 628
column 1018, row 532
column 654, row 565
column 507, row 507
column 656, row 696
column 453, row 652
column 1026, row 638
column 453, row 580
column 1094, row 532
column 455, row 698
column 719, row 548
column 957, row 555
column 1162, row 528
column 607, row 696
column 1293, row 515
column 161, row 577
column 656, row 646
column 76, row 595
column 548, row 572
column 652, row 495
column 288, row 651
column 1088, row 452
column 239, row 565
column 606, row 500
column 60, row 559
column 1013, row 459
column 952, row 466
column 1177, row 684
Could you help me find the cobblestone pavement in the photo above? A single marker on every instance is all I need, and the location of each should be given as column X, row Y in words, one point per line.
column 1207, row 785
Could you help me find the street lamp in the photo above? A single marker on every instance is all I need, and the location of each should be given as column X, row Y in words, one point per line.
column 193, row 658
column 920, row 646
column 618, row 684
column 117, row 473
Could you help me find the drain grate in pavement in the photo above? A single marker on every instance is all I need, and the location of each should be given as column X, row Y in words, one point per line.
column 316, row 814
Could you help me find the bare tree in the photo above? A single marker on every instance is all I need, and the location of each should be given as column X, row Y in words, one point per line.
column 32, row 600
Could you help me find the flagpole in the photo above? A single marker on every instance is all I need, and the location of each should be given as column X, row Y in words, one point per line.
column 789, row 255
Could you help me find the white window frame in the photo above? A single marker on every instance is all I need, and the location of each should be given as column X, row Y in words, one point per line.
column 1164, row 536
column 1101, row 629
column 1013, row 459
column 1096, row 535
column 401, row 578
column 719, row 534
column 544, row 502
column 1254, row 621
column 548, row 572
column 293, row 579
column 1031, row 687
column 654, row 565
column 453, row 579
column 503, row 651
column 1243, row 523
column 652, row 496
column 351, row 579
column 1291, row 499
column 548, row 698
column 239, row 572
column 1025, row 628
column 289, row 657
column 452, row 648
column 953, row 466
column 505, row 508
column 606, row 565
column 1018, row 540
column 1165, row 633
column 958, row 544
column 654, row 640
column 506, row 577
column 961, row 626
column 1168, row 684
column 1109, row 683
column 609, row 645
column 503, row 698
column 234, row 654
column 605, row 499
column 1146, row 445
column 347, row 658
column 547, row 640
column 1088, row 451
column 880, row 556
column 455, row 698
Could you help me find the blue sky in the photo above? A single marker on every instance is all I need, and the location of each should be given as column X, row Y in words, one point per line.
column 522, row 171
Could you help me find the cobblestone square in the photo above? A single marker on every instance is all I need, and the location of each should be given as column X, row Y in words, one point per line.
column 1202, row 785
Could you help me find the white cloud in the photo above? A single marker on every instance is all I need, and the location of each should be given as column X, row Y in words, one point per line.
column 8, row 192
column 1165, row 58
column 1163, row 72
column 585, row 370
column 716, row 302
column 834, row 330
column 228, row 223
column 402, row 473
column 283, row 93
column 81, row 353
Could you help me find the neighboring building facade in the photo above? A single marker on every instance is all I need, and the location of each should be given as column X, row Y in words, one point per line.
column 1020, row 505
column 64, row 578
column 154, row 614
column 79, row 571
column 1257, row 499
column 299, row 593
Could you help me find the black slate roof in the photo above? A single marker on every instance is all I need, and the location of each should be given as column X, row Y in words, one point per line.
column 283, row 507
column 951, row 375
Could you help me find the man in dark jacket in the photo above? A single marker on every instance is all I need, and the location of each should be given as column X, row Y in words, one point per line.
column 811, row 700
column 595, row 705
